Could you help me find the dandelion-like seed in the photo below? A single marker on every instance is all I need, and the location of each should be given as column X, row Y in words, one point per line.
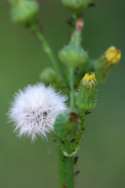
column 35, row 109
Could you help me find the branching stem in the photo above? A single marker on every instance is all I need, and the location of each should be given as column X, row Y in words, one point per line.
column 46, row 47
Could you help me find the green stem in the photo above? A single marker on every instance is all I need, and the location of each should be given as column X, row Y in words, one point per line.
column 66, row 165
column 71, row 84
column 46, row 48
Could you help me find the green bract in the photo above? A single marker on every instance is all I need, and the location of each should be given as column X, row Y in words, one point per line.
column 102, row 69
column 24, row 11
column 77, row 5
column 86, row 100
column 48, row 75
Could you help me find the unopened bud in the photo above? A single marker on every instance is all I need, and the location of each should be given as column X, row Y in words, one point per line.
column 89, row 80
column 73, row 54
column 24, row 11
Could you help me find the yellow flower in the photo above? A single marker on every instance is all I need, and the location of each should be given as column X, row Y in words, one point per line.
column 89, row 80
column 113, row 55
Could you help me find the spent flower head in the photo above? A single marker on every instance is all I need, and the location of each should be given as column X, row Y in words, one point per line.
column 35, row 110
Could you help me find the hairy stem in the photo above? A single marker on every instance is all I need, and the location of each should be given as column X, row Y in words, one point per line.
column 66, row 165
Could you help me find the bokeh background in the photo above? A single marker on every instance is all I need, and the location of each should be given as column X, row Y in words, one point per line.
column 102, row 155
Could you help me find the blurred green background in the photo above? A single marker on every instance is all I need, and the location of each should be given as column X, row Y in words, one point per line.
column 102, row 155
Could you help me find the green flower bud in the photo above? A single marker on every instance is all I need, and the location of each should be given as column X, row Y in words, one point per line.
column 50, row 76
column 73, row 54
column 24, row 11
column 77, row 5
column 86, row 96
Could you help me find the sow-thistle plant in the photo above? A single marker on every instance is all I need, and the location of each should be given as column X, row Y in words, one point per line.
column 67, row 93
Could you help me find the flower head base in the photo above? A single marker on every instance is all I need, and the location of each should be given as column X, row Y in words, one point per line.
column 35, row 110
column 24, row 11
column 89, row 80
column 113, row 55
column 77, row 5
column 73, row 55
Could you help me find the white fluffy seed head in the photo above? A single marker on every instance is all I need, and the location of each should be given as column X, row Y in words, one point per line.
column 35, row 109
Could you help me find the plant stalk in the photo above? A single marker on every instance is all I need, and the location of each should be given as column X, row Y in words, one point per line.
column 71, row 84
column 49, row 52
column 66, row 165
column 46, row 48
